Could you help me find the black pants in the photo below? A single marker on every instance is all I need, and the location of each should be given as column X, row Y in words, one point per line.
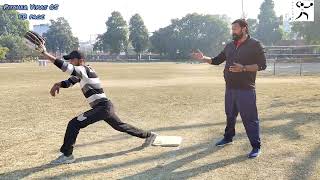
column 103, row 111
column 243, row 101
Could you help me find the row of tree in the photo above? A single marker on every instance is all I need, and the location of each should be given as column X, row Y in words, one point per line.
column 117, row 38
column 208, row 33
column 11, row 32
column 59, row 38
column 194, row 31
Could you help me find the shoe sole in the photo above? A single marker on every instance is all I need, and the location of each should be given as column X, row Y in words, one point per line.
column 221, row 145
column 65, row 162
column 252, row 157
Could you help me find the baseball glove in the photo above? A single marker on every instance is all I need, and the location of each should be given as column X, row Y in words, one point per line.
column 35, row 41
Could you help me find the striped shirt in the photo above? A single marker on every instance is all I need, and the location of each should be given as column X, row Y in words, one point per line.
column 89, row 82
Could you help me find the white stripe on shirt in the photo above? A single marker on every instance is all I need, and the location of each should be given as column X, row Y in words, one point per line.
column 95, row 97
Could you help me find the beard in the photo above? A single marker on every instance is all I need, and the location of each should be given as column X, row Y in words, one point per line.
column 237, row 37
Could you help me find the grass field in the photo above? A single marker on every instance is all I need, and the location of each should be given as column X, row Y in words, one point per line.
column 170, row 99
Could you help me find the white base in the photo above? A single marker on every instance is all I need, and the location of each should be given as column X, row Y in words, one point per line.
column 167, row 141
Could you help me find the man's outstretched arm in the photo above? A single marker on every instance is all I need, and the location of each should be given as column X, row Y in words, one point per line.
column 77, row 71
column 214, row 61
column 63, row 84
column 49, row 56
column 70, row 82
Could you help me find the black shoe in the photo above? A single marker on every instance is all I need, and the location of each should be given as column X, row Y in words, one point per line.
column 223, row 142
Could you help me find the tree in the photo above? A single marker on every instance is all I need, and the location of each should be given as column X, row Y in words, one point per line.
column 160, row 40
column 12, row 30
column 310, row 30
column 252, row 23
column 59, row 37
column 11, row 24
column 3, row 51
column 206, row 32
column 268, row 30
column 116, row 37
column 98, row 45
column 139, row 36
column 15, row 45
column 165, row 41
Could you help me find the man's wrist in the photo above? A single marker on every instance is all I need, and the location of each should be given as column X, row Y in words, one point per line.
column 244, row 69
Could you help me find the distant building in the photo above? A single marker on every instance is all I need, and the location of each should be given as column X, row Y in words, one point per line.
column 86, row 46
column 41, row 28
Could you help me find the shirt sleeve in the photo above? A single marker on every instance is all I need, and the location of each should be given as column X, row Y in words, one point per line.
column 70, row 82
column 78, row 71
column 260, row 56
column 219, row 59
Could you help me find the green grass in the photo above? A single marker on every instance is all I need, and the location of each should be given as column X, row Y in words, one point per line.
column 170, row 99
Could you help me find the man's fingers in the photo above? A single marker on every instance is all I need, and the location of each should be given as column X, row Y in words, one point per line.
column 53, row 91
column 199, row 55
column 198, row 51
column 196, row 56
column 234, row 69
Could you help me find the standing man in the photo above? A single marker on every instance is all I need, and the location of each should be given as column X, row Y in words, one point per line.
column 244, row 56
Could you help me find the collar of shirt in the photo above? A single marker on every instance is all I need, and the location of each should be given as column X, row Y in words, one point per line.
column 238, row 43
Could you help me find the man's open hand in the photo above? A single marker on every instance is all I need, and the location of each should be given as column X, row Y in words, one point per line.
column 197, row 55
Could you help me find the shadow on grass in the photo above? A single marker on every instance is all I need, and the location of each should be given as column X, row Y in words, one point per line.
column 167, row 171
column 198, row 151
column 19, row 174
column 201, row 150
column 306, row 167
column 162, row 129
column 299, row 102
column 289, row 130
